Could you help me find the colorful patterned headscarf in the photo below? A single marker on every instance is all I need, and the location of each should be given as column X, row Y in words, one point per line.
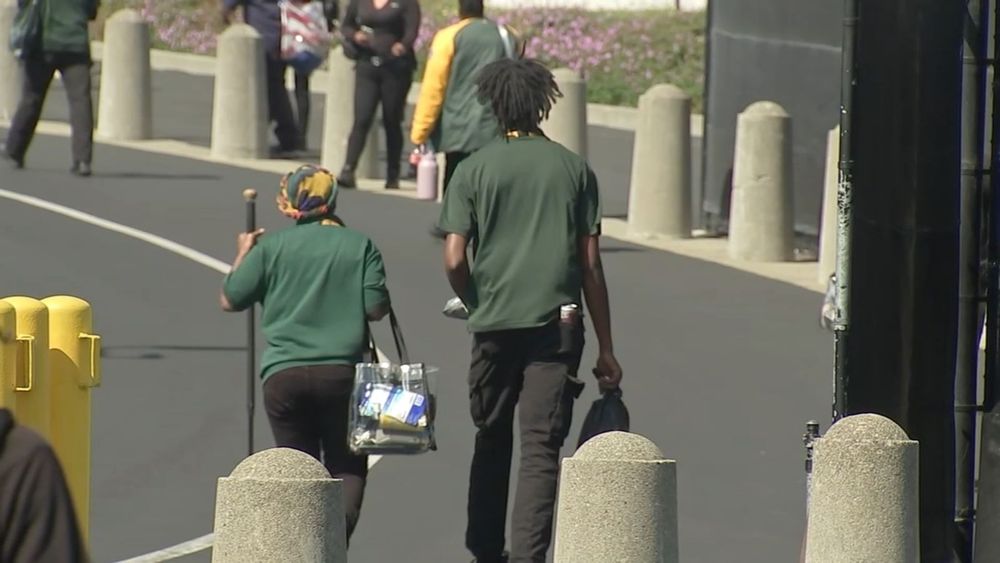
column 308, row 192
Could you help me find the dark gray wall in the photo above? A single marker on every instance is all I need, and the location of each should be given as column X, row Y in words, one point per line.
column 786, row 51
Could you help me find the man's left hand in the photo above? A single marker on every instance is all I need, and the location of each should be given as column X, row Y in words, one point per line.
column 398, row 49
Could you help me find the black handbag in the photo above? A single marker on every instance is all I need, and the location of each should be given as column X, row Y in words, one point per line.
column 26, row 31
column 607, row 414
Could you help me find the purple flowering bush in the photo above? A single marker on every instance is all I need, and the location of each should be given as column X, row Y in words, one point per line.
column 622, row 54
column 177, row 25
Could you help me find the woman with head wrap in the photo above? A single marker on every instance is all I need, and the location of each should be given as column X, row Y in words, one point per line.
column 319, row 283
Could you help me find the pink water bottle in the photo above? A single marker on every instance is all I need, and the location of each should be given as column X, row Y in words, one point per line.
column 427, row 176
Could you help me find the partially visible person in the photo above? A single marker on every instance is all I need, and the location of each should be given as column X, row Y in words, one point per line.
column 382, row 32
column 449, row 115
column 303, row 98
column 319, row 284
column 535, row 210
column 37, row 520
column 265, row 17
column 65, row 47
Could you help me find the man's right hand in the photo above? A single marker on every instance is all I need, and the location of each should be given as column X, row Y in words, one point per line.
column 608, row 372
column 361, row 38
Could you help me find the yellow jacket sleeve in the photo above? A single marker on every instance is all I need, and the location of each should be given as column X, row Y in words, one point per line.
column 435, row 83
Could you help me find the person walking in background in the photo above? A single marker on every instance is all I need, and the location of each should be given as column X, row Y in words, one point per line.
column 381, row 33
column 37, row 520
column 303, row 97
column 535, row 210
column 265, row 17
column 449, row 114
column 319, row 283
column 65, row 46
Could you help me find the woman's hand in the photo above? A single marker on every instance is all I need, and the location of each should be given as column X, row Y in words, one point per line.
column 246, row 241
column 398, row 49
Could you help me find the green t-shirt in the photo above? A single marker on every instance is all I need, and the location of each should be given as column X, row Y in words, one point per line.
column 316, row 284
column 527, row 201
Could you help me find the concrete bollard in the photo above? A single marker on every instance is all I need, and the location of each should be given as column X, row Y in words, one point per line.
column 126, row 105
column 239, row 112
column 10, row 68
column 567, row 123
column 339, row 119
column 617, row 502
column 828, row 220
column 761, row 215
column 864, row 501
column 659, row 201
column 279, row 505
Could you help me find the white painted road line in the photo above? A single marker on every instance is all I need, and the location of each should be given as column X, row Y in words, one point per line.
column 176, row 551
column 165, row 244
column 204, row 542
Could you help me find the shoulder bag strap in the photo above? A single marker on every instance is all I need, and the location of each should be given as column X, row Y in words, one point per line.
column 372, row 349
column 397, row 335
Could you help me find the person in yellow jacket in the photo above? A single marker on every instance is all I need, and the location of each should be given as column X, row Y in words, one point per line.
column 449, row 115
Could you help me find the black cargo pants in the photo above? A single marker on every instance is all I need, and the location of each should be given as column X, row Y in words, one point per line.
column 509, row 368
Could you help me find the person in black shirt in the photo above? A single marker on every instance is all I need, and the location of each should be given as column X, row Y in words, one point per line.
column 37, row 520
column 382, row 33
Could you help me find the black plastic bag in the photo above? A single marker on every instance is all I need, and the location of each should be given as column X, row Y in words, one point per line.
column 607, row 414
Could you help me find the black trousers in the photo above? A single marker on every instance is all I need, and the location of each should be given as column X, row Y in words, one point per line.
column 510, row 368
column 38, row 73
column 308, row 410
column 279, row 106
column 302, row 105
column 388, row 84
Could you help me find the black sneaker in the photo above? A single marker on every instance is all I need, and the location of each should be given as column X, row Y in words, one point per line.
column 81, row 169
column 15, row 162
column 392, row 184
column 502, row 559
column 283, row 153
column 346, row 179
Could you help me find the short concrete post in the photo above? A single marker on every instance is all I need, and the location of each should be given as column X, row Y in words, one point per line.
column 126, row 105
column 279, row 505
column 339, row 119
column 10, row 68
column 617, row 502
column 761, row 225
column 567, row 123
column 659, row 202
column 828, row 220
column 239, row 112
column 864, row 501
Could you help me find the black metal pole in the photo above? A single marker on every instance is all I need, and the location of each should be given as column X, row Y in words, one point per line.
column 967, row 357
column 845, row 182
column 251, row 206
column 904, row 249
column 987, row 544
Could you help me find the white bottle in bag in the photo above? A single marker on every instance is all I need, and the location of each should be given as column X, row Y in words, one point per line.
column 427, row 176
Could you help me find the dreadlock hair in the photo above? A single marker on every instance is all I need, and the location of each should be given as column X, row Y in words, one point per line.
column 470, row 8
column 519, row 91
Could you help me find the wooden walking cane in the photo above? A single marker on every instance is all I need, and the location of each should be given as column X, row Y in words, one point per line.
column 250, row 196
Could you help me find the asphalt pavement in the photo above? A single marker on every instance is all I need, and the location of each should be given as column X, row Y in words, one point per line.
column 722, row 367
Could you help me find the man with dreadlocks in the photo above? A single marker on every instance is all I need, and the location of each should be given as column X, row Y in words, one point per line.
column 534, row 208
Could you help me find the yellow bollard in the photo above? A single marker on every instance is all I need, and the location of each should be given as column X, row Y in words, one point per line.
column 31, row 384
column 8, row 354
column 75, row 368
